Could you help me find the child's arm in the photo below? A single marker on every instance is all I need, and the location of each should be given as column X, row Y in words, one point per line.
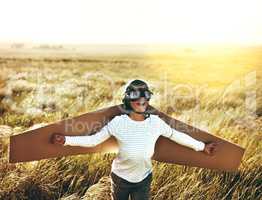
column 88, row 140
column 186, row 140
column 92, row 140
column 180, row 138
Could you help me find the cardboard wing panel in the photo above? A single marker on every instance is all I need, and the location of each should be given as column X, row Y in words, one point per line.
column 35, row 144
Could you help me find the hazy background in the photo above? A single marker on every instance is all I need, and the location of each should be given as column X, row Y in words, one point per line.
column 202, row 60
column 131, row 22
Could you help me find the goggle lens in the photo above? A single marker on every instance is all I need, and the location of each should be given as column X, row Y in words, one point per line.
column 136, row 94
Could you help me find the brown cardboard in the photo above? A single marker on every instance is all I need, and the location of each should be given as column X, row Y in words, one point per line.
column 35, row 144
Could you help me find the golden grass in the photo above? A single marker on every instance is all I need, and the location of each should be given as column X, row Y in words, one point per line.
column 41, row 90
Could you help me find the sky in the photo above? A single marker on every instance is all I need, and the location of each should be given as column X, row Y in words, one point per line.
column 131, row 22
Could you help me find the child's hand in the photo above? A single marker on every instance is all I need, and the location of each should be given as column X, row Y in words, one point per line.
column 210, row 148
column 58, row 139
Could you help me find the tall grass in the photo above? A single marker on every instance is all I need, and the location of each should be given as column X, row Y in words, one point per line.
column 39, row 90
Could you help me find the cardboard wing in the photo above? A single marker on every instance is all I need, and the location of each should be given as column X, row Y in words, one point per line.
column 35, row 144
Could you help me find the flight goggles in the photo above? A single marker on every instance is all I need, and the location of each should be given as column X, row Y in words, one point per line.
column 134, row 95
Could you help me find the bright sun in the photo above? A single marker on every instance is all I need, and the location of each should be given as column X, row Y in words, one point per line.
column 134, row 21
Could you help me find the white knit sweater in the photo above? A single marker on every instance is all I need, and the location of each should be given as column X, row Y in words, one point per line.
column 136, row 141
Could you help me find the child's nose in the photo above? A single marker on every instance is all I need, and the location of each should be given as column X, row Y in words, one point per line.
column 142, row 99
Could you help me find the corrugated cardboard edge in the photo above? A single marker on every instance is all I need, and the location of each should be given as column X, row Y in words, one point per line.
column 8, row 150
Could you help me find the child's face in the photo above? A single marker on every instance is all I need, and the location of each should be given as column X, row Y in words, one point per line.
column 140, row 105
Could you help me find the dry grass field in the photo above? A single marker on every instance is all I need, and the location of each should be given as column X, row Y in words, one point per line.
column 214, row 89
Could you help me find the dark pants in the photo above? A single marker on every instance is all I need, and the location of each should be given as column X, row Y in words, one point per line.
column 121, row 188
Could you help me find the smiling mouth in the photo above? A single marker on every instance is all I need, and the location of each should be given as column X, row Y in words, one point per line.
column 141, row 103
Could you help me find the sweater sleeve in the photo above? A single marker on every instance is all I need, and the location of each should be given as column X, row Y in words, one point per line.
column 180, row 137
column 92, row 140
